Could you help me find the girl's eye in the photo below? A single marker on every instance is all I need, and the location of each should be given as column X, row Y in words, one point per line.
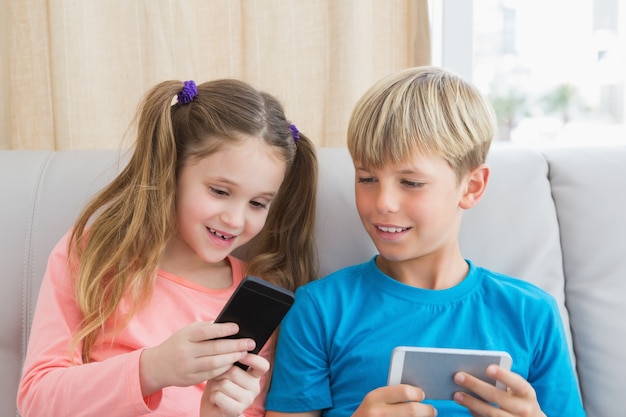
column 218, row 192
column 258, row 205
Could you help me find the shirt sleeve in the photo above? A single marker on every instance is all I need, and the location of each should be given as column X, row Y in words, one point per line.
column 53, row 383
column 301, row 377
column 551, row 362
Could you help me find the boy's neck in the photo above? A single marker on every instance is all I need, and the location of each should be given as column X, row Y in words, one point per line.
column 427, row 272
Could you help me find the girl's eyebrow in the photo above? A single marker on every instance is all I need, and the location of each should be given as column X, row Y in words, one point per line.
column 265, row 194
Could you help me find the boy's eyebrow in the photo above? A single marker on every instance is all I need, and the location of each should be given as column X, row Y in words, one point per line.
column 411, row 170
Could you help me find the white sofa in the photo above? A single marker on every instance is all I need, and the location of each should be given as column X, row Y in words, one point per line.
column 552, row 216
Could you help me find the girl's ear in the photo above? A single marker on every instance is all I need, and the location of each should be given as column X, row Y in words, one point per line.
column 475, row 184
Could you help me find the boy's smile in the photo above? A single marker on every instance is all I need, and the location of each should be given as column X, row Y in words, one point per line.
column 390, row 232
column 412, row 212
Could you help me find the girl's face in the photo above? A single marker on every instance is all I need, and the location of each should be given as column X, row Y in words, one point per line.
column 411, row 211
column 223, row 199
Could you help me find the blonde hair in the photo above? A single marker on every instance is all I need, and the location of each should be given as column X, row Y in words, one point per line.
column 118, row 239
column 421, row 110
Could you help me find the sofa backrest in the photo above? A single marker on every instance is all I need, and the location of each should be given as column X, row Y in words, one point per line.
column 42, row 193
column 552, row 217
column 589, row 191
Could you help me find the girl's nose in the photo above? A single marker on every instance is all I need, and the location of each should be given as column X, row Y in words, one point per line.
column 234, row 216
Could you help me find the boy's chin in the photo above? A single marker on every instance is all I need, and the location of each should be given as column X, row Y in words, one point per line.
column 386, row 256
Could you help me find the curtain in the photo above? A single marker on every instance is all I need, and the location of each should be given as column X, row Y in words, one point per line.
column 73, row 71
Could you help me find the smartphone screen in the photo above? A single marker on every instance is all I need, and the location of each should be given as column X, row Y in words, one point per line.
column 433, row 369
column 258, row 307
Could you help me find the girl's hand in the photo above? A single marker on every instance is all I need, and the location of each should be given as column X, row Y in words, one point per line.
column 235, row 390
column 518, row 400
column 396, row 400
column 191, row 356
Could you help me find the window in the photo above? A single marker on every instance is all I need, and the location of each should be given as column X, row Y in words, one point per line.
column 553, row 70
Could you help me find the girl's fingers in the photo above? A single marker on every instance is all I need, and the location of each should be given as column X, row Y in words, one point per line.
column 257, row 365
column 234, row 391
column 204, row 330
column 218, row 347
column 209, row 338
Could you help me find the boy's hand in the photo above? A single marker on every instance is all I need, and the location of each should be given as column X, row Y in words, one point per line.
column 518, row 400
column 232, row 392
column 395, row 401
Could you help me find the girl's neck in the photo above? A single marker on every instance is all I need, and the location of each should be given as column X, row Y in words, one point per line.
column 210, row 275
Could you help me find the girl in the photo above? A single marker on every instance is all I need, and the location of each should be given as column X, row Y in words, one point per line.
column 124, row 321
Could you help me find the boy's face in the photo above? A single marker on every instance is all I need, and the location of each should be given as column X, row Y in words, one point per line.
column 411, row 211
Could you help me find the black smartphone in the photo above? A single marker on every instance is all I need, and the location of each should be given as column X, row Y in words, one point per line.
column 258, row 307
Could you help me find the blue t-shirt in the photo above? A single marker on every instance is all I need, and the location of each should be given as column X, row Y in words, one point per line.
column 335, row 343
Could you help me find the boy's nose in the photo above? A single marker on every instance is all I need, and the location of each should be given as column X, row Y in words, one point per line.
column 386, row 201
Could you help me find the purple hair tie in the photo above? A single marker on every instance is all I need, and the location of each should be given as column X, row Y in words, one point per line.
column 294, row 132
column 188, row 92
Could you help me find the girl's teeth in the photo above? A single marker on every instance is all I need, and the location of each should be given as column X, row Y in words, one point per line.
column 221, row 236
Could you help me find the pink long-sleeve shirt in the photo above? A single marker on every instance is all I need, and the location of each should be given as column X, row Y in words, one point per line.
column 109, row 386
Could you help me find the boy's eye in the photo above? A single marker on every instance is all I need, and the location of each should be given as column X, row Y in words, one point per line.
column 366, row 180
column 412, row 184
column 218, row 192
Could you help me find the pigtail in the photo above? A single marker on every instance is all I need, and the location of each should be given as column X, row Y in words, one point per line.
column 285, row 252
column 118, row 254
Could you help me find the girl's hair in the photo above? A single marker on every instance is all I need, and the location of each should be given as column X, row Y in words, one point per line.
column 421, row 110
column 117, row 241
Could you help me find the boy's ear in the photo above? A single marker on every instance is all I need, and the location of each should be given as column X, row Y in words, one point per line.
column 475, row 184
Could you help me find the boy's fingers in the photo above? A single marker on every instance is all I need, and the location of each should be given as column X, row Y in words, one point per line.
column 398, row 394
column 519, row 398
column 477, row 386
column 515, row 383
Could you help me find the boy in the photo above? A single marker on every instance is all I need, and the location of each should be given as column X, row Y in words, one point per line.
column 419, row 140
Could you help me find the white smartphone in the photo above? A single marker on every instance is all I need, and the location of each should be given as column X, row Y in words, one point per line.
column 433, row 369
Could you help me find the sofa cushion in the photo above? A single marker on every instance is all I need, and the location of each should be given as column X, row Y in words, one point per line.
column 517, row 233
column 18, row 190
column 41, row 198
column 589, row 192
column 341, row 238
